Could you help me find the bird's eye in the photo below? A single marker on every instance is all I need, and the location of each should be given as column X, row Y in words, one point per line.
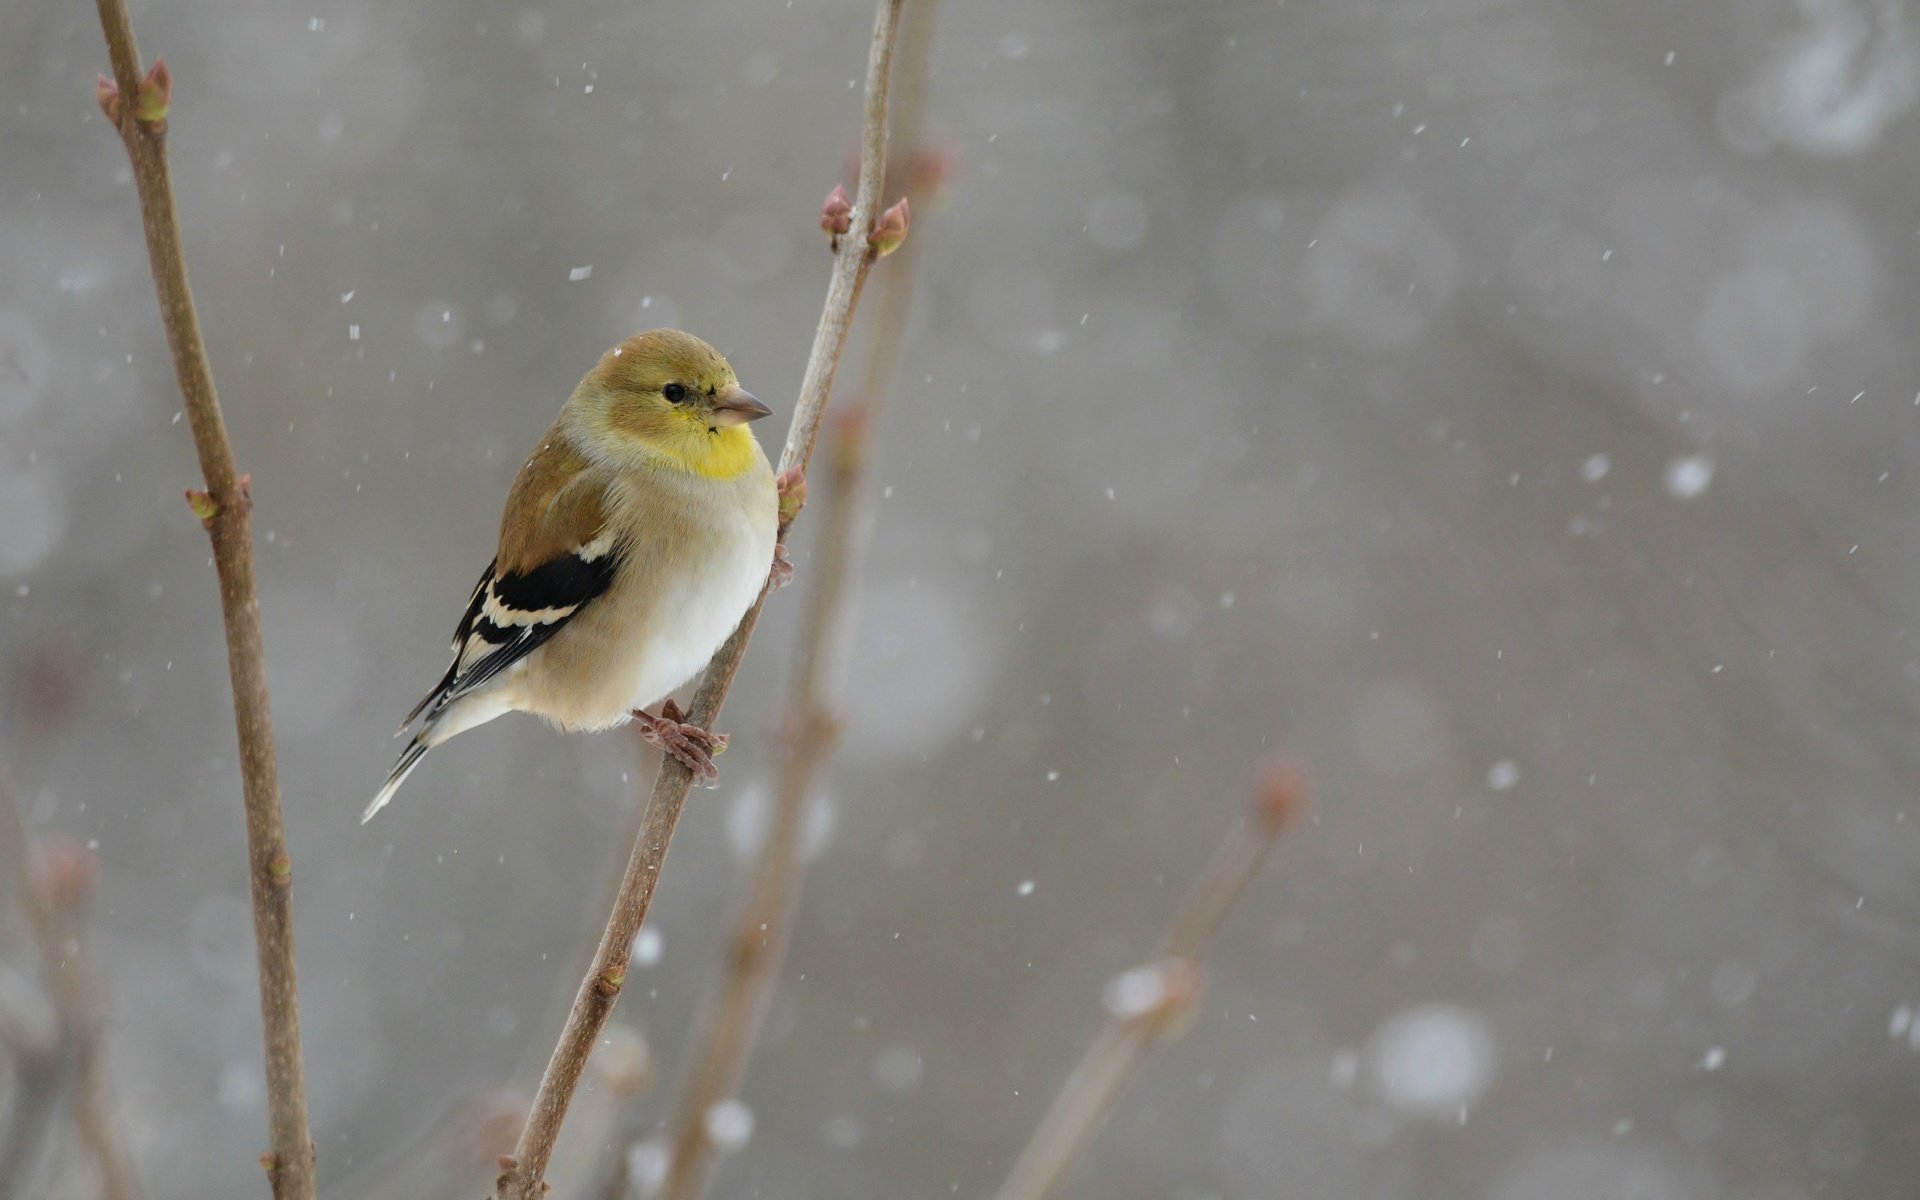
column 674, row 393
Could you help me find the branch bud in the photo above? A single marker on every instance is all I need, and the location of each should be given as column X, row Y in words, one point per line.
column 203, row 504
column 836, row 215
column 280, row 870
column 890, row 230
column 1280, row 794
column 609, row 982
column 107, row 92
column 150, row 108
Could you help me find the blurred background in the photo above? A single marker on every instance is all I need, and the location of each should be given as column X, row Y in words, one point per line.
column 1511, row 408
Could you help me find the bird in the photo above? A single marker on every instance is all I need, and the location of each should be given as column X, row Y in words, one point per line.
column 635, row 537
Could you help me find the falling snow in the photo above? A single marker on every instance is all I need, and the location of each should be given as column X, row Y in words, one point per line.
column 729, row 1125
column 1688, row 477
column 1540, row 470
column 1432, row 1061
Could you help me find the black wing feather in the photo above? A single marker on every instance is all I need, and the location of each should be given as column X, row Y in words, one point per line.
column 475, row 603
column 557, row 590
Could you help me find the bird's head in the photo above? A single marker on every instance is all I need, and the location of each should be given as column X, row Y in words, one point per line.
column 666, row 396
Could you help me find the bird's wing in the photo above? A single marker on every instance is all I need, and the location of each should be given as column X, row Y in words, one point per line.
column 556, row 556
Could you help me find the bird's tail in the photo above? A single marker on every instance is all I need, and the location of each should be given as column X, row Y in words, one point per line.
column 442, row 723
column 409, row 759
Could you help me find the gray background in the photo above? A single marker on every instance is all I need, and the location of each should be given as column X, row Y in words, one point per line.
column 1510, row 407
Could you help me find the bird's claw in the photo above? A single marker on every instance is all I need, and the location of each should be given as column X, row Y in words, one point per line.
column 790, row 489
column 781, row 573
column 691, row 746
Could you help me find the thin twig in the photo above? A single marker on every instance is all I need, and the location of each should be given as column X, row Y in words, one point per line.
column 45, row 1059
column 1152, row 1003
column 138, row 105
column 55, row 879
column 761, row 931
column 522, row 1171
column 920, row 171
column 764, row 926
column 43, row 1069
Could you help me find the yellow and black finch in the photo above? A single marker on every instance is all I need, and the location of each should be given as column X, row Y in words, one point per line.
column 635, row 537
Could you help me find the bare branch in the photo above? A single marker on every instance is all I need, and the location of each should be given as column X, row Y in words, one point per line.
column 44, row 1062
column 139, row 105
column 523, row 1171
column 43, row 1069
column 57, row 875
column 1153, row 1003
column 764, row 926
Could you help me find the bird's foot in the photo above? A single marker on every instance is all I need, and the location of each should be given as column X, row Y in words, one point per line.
column 791, row 488
column 691, row 746
column 782, row 573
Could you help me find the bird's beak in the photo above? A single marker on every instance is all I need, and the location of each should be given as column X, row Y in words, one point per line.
column 735, row 405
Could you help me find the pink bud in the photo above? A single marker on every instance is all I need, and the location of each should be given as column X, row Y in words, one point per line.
column 890, row 230
column 1281, row 793
column 156, row 96
column 836, row 214
column 107, row 92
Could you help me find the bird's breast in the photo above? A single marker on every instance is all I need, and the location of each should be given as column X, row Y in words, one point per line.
column 698, row 605
column 694, row 559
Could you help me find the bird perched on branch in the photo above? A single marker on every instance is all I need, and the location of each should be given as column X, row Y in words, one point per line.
column 635, row 538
